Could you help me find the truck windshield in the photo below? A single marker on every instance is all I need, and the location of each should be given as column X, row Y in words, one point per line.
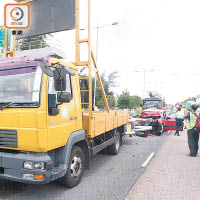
column 20, row 85
column 152, row 103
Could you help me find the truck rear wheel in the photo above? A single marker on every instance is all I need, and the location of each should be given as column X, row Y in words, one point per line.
column 75, row 168
column 114, row 148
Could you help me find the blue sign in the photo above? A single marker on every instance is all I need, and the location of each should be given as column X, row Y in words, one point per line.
column 3, row 36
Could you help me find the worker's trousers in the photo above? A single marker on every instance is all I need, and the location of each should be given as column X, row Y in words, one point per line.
column 179, row 124
column 177, row 128
column 193, row 142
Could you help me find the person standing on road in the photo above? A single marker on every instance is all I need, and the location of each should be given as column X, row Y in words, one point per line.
column 179, row 120
column 193, row 137
column 186, row 112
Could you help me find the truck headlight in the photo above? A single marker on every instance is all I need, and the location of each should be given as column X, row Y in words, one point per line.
column 40, row 165
column 34, row 165
column 28, row 165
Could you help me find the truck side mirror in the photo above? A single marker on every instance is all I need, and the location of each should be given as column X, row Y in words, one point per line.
column 59, row 76
column 52, row 105
column 64, row 97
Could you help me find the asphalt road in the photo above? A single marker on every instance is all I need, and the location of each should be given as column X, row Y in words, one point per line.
column 171, row 175
column 109, row 177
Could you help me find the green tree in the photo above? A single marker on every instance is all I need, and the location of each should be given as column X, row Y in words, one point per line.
column 108, row 82
column 137, row 101
column 111, row 101
column 35, row 42
column 125, row 100
column 191, row 98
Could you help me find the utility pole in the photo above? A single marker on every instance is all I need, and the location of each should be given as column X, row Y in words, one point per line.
column 144, row 71
column 97, row 43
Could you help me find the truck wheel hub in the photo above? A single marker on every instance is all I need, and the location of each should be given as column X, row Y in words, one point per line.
column 76, row 166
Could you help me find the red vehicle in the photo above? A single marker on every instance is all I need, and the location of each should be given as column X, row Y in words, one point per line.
column 154, row 118
column 160, row 120
column 169, row 121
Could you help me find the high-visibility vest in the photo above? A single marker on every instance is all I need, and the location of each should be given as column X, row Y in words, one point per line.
column 179, row 115
column 192, row 121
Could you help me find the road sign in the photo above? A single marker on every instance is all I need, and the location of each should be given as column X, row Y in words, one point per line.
column 3, row 36
column 49, row 16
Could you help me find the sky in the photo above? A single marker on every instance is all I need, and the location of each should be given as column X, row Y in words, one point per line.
column 159, row 37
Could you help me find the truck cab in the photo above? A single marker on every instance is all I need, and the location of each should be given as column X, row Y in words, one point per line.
column 33, row 123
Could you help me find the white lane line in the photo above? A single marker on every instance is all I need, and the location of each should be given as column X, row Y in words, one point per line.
column 148, row 159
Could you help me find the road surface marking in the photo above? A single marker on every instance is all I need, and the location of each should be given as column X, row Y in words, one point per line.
column 148, row 159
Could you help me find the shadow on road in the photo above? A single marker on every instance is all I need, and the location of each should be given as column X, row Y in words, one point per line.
column 9, row 188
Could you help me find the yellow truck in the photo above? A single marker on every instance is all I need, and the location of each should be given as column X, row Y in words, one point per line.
column 45, row 134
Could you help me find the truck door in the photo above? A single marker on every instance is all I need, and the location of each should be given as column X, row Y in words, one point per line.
column 60, row 126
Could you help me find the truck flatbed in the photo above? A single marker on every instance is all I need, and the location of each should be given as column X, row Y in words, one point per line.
column 103, row 122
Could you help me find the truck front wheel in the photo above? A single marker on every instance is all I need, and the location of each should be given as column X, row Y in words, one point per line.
column 75, row 168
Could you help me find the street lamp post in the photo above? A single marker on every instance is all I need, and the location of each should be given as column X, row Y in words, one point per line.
column 144, row 71
column 97, row 43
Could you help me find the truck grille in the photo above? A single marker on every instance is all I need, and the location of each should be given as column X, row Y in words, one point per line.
column 8, row 138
